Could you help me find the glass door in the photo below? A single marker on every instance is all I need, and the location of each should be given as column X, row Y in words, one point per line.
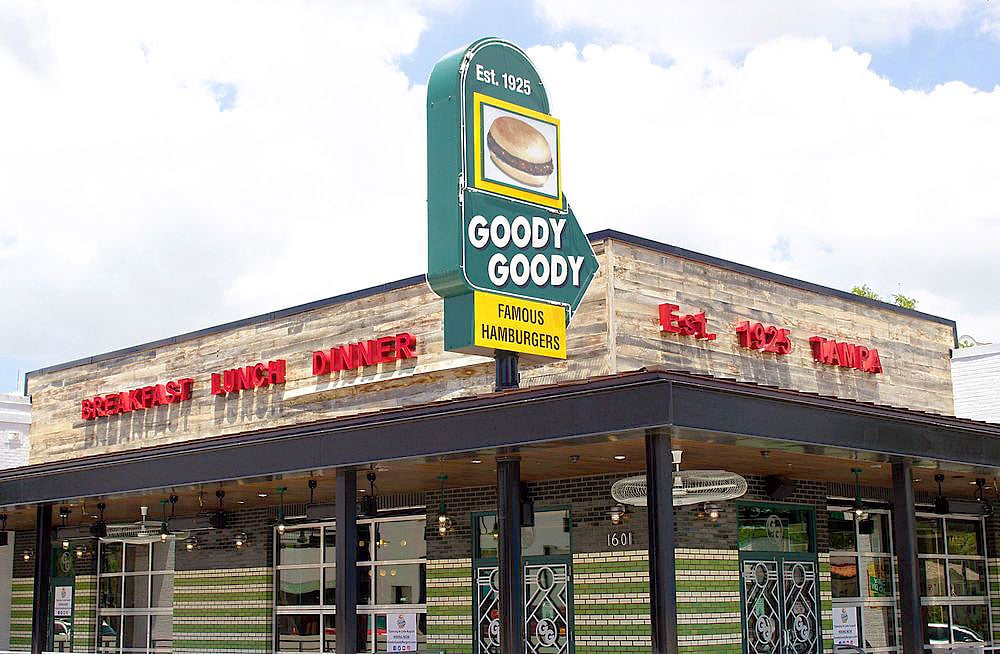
column 779, row 579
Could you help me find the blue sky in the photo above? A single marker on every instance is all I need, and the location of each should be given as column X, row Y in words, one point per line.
column 167, row 167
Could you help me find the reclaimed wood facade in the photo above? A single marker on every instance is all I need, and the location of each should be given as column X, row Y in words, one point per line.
column 616, row 329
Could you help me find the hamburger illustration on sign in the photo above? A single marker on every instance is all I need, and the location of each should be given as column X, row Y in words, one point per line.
column 520, row 151
column 504, row 248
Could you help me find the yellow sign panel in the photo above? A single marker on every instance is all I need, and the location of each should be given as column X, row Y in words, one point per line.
column 516, row 325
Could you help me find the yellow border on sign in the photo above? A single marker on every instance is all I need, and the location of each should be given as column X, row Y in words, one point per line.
column 479, row 99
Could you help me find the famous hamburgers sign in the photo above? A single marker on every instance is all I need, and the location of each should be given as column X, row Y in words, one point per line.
column 504, row 248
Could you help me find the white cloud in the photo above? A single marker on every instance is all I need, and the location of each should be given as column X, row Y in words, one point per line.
column 132, row 208
column 800, row 160
column 710, row 28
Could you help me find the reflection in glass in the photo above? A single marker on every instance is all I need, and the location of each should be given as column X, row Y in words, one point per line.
column 878, row 575
column 330, row 586
column 842, row 536
column 111, row 557
column 298, row 633
column 967, row 578
column 930, row 536
column 329, row 544
column 364, row 542
column 162, row 595
column 965, row 538
column 844, row 576
column 111, row 593
column 134, row 631
column 137, row 592
column 549, row 536
column 298, row 587
column 935, row 621
column 161, row 632
column 400, row 540
column 330, row 632
column 879, row 626
column 879, row 540
column 489, row 536
column 110, row 630
column 770, row 529
column 971, row 623
column 136, row 557
column 400, row 584
column 932, row 583
column 163, row 555
column 299, row 546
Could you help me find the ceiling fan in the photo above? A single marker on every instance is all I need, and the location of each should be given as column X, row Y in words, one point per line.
column 690, row 486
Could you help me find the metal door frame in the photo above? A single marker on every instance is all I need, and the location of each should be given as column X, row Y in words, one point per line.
column 780, row 558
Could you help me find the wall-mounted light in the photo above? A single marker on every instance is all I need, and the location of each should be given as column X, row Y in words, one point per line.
column 27, row 555
column 713, row 511
column 80, row 551
column 191, row 543
column 65, row 544
column 618, row 514
column 240, row 540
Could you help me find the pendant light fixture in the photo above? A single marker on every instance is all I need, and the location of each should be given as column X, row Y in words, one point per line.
column 281, row 509
column 444, row 522
column 941, row 504
column 859, row 507
column 312, row 491
column 64, row 515
column 985, row 504
column 100, row 528
column 164, row 527
column 240, row 540
column 369, row 503
column 618, row 513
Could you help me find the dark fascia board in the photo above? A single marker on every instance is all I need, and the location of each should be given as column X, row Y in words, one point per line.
column 604, row 406
column 625, row 402
column 605, row 234
column 615, row 235
column 774, row 414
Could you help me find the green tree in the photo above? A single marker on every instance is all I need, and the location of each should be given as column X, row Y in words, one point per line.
column 865, row 291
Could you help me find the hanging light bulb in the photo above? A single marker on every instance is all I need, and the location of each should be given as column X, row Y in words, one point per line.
column 241, row 539
column 281, row 509
column 65, row 544
column 619, row 514
column 79, row 552
column 164, row 527
column 859, row 506
column 444, row 522
column 713, row 512
column 27, row 555
column 190, row 544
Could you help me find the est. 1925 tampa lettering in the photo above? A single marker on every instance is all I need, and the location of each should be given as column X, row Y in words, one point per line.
column 138, row 399
column 536, row 233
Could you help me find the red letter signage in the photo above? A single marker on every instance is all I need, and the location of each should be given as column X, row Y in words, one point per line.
column 845, row 355
column 366, row 353
column 688, row 325
column 250, row 377
column 765, row 339
column 139, row 399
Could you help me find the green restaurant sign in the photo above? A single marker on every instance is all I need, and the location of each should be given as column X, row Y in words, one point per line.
column 504, row 248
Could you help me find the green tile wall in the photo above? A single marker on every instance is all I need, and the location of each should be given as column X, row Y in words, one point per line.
column 222, row 611
column 22, row 590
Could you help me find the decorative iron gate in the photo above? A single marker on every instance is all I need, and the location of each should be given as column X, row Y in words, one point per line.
column 780, row 606
column 548, row 599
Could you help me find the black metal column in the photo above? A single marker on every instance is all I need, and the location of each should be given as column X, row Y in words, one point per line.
column 660, row 514
column 904, row 534
column 348, row 636
column 507, row 375
column 43, row 570
column 509, row 553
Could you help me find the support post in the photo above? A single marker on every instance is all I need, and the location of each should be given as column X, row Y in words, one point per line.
column 507, row 375
column 43, row 570
column 660, row 515
column 904, row 533
column 348, row 634
column 509, row 553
